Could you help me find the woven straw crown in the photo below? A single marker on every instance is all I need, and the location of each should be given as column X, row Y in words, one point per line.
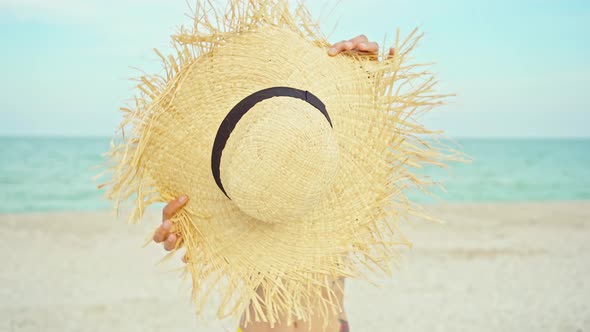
column 296, row 163
column 280, row 160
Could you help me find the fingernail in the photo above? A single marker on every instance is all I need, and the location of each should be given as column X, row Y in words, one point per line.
column 166, row 224
column 171, row 238
column 332, row 51
column 182, row 199
column 362, row 46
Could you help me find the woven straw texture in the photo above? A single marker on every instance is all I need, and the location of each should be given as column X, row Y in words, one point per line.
column 309, row 202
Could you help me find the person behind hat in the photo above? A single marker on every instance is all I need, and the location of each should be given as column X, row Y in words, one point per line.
column 169, row 239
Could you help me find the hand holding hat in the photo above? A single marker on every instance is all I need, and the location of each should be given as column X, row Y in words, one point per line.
column 359, row 44
column 163, row 233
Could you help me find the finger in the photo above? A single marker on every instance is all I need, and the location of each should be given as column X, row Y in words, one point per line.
column 340, row 47
column 162, row 232
column 335, row 49
column 368, row 47
column 171, row 208
column 170, row 242
column 359, row 39
column 391, row 52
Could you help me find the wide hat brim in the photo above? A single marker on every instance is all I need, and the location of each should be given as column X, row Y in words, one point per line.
column 352, row 228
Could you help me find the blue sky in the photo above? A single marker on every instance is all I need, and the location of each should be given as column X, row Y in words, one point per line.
column 519, row 68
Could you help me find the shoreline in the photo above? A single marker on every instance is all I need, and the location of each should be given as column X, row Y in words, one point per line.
column 424, row 205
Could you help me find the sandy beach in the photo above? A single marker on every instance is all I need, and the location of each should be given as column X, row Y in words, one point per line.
column 491, row 267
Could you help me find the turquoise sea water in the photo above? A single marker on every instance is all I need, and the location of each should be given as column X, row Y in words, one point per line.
column 55, row 174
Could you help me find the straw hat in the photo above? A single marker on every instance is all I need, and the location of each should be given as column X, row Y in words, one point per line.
column 296, row 163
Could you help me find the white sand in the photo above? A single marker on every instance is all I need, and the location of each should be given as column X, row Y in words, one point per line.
column 492, row 267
